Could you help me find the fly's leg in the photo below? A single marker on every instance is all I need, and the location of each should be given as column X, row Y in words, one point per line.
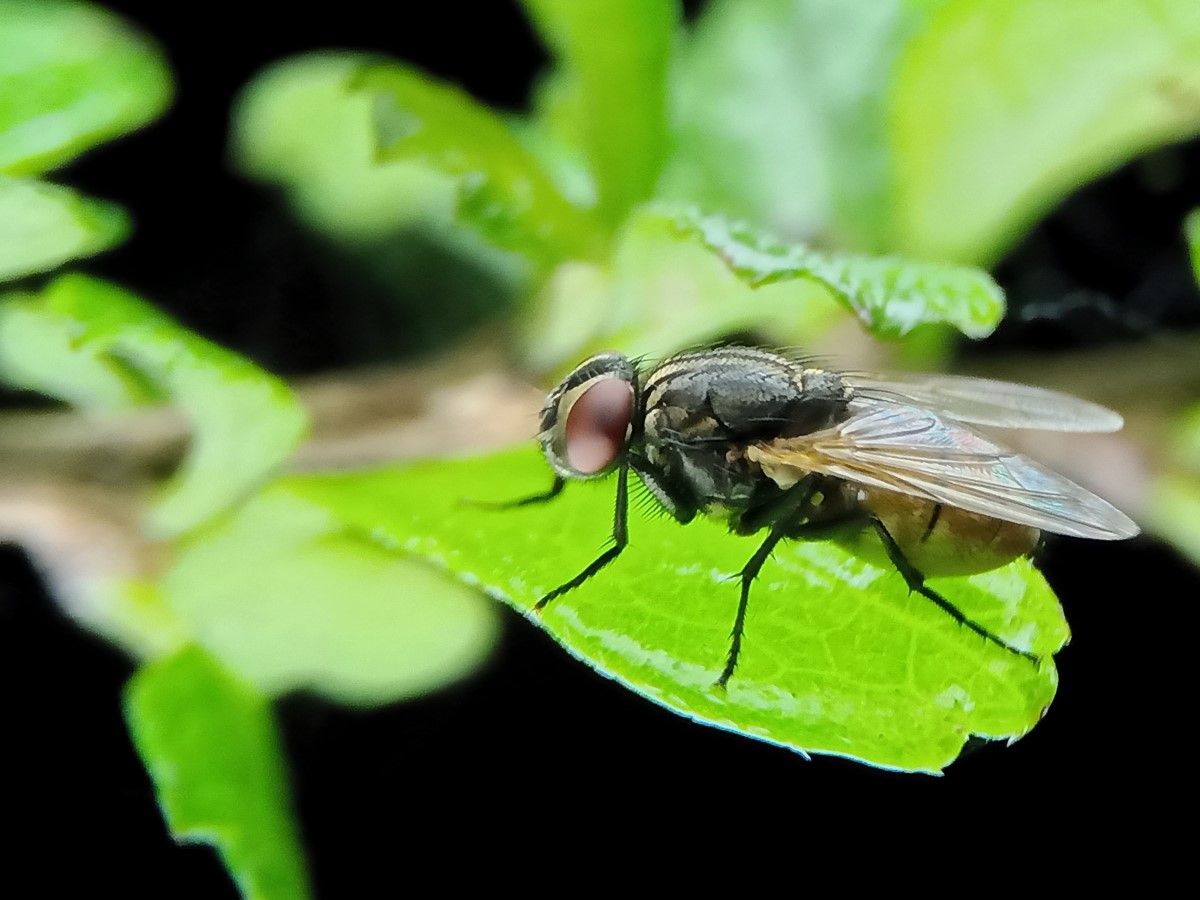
column 916, row 582
column 544, row 497
column 620, row 538
column 794, row 510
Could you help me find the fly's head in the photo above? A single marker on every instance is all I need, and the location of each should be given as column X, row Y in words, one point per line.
column 588, row 420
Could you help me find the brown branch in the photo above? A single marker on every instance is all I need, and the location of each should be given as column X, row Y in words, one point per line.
column 373, row 418
column 73, row 484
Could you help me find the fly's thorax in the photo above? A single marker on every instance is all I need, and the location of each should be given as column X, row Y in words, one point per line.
column 691, row 449
column 701, row 410
column 939, row 540
column 740, row 394
column 824, row 402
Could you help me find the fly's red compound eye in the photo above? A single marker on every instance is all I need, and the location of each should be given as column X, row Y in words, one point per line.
column 586, row 420
column 598, row 425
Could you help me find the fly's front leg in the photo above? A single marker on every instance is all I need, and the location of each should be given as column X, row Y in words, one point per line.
column 916, row 582
column 544, row 497
column 796, row 507
column 620, row 538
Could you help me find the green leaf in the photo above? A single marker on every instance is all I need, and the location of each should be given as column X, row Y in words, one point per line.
column 934, row 128
column 615, row 55
column 1191, row 230
column 839, row 658
column 554, row 134
column 298, row 125
column 288, row 598
column 209, row 742
column 891, row 296
column 1185, row 442
column 71, row 76
column 43, row 226
column 1173, row 510
column 999, row 109
column 245, row 422
column 782, row 111
column 38, row 351
column 502, row 190
column 665, row 291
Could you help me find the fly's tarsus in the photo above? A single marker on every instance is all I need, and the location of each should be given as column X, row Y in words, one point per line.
column 544, row 497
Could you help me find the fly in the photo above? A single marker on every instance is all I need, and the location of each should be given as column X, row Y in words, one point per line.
column 772, row 444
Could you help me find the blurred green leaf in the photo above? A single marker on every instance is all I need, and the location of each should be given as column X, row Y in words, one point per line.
column 1000, row 109
column 71, row 76
column 1173, row 511
column 679, row 278
column 245, row 422
column 571, row 313
column 665, row 291
column 938, row 129
column 1185, row 443
column 44, row 225
column 284, row 595
column 276, row 588
column 209, row 742
column 839, row 657
column 554, row 134
column 502, row 190
column 1191, row 229
column 38, row 351
column 891, row 296
column 782, row 114
column 398, row 250
column 297, row 124
column 614, row 56
column 1173, row 506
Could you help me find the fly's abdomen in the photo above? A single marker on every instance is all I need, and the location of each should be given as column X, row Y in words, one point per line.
column 939, row 540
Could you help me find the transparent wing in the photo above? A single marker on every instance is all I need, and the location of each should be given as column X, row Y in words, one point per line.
column 982, row 401
column 916, row 452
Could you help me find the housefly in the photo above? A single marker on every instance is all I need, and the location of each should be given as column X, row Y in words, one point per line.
column 773, row 444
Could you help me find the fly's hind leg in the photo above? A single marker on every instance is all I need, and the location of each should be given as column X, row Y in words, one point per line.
column 916, row 582
column 796, row 507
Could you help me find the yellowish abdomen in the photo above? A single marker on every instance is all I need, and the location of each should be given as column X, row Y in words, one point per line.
column 939, row 539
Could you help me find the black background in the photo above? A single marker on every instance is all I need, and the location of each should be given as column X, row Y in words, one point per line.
column 536, row 754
